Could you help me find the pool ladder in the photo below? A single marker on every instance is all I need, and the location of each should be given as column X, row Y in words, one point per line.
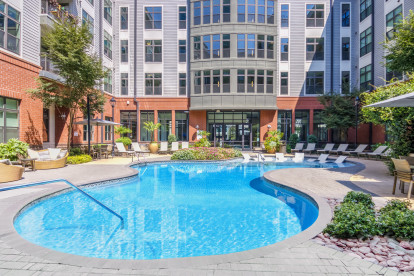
column 70, row 184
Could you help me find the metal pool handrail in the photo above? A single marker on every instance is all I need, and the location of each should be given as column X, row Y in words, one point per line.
column 70, row 184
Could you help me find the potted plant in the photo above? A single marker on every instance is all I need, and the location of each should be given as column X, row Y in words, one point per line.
column 273, row 141
column 151, row 127
column 124, row 139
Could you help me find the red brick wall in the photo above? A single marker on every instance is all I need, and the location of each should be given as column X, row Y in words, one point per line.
column 197, row 117
column 16, row 77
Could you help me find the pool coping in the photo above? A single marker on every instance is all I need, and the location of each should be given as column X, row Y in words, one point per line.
column 11, row 237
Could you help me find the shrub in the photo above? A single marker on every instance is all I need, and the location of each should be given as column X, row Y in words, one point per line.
column 272, row 141
column 359, row 197
column 203, row 142
column 124, row 140
column 12, row 149
column 398, row 223
column 353, row 220
column 172, row 138
column 293, row 139
column 205, row 154
column 395, row 204
column 75, row 152
column 79, row 159
column 183, row 155
column 312, row 139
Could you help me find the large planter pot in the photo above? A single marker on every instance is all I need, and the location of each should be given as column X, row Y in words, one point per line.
column 271, row 150
column 153, row 147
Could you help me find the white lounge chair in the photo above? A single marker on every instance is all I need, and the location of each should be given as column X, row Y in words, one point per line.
column 340, row 159
column 262, row 158
column 359, row 149
column 321, row 159
column 310, row 148
column 340, row 149
column 376, row 153
column 328, row 147
column 184, row 145
column 298, row 147
column 280, row 157
column 387, row 153
column 164, row 147
column 136, row 147
column 123, row 151
column 174, row 146
column 299, row 157
column 246, row 158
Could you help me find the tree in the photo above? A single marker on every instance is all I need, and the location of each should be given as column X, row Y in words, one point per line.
column 400, row 46
column 68, row 47
column 339, row 111
column 151, row 127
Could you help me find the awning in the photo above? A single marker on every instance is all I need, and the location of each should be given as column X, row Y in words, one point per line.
column 406, row 100
column 97, row 122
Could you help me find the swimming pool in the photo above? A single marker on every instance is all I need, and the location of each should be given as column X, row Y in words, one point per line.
column 172, row 210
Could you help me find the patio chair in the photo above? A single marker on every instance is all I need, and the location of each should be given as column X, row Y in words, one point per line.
column 340, row 149
column 164, row 147
column 359, row 149
column 246, row 158
column 298, row 147
column 49, row 159
column 8, row 172
column 174, row 146
column 137, row 148
column 387, row 154
column 299, row 157
column 321, row 159
column 123, row 151
column 403, row 173
column 376, row 153
column 328, row 147
column 410, row 160
column 262, row 158
column 340, row 159
column 280, row 157
column 184, row 145
column 310, row 148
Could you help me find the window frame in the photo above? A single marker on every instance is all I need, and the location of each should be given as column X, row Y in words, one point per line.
column 365, row 72
column 181, row 25
column 284, row 75
column 152, row 78
column 345, row 51
column 150, row 23
column 366, row 11
column 346, row 17
column 123, row 24
column 5, row 110
column 284, row 22
column 124, row 83
column 6, row 32
column 151, row 54
column 107, row 45
column 108, row 20
column 316, row 44
column 124, row 53
column 182, row 57
column 364, row 47
column 315, row 18
column 284, row 55
column 314, row 79
column 395, row 19
column 182, row 77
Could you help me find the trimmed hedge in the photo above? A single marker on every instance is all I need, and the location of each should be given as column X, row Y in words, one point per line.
column 79, row 159
column 205, row 153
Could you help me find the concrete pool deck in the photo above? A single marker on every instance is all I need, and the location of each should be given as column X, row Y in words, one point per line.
column 293, row 258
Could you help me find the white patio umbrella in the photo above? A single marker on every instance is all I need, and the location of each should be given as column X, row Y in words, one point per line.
column 406, row 100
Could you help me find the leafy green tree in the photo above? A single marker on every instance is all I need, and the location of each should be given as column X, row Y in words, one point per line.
column 68, row 47
column 150, row 126
column 400, row 46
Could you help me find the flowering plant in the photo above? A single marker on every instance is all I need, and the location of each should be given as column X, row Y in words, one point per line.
column 206, row 153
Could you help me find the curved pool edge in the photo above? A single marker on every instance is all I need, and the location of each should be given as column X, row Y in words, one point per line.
column 12, row 238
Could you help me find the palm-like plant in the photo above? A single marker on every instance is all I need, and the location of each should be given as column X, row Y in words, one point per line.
column 151, row 127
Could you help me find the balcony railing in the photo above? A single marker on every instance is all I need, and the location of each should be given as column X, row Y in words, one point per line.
column 48, row 8
column 48, row 66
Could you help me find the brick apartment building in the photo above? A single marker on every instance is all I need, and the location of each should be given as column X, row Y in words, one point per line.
column 233, row 67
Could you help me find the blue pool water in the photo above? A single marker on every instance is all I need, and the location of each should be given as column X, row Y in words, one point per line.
column 172, row 210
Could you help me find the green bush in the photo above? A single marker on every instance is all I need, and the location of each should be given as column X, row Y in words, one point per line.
column 312, row 139
column 293, row 139
column 124, row 140
column 359, row 197
column 288, row 149
column 273, row 140
column 12, row 149
column 353, row 220
column 395, row 205
column 398, row 223
column 204, row 153
column 75, row 151
column 79, row 159
column 183, row 155
column 203, row 142
column 172, row 138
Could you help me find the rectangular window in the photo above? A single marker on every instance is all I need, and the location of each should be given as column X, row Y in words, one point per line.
column 346, row 48
column 302, row 124
column 226, row 10
column 108, row 130
column 153, row 84
column 88, row 21
column 153, row 18
column 284, row 123
column 85, row 133
column 392, row 18
column 284, row 16
column 251, row 46
column 365, row 9
column 284, row 83
column 241, row 45
column 206, row 12
column 250, row 81
column 183, row 84
column 9, row 28
column 129, row 119
column 284, row 49
column 124, row 18
column 145, row 116
column 315, row 15
column 108, row 11
column 314, row 82
column 260, row 46
column 181, row 125
column 107, row 45
column 182, row 17
column 124, row 50
column 46, row 123
column 108, row 82
column 197, row 13
column 216, row 11
column 206, row 47
column 270, row 46
column 197, row 47
column 366, row 42
column 124, row 83
column 260, row 81
column 269, row 82
column 241, row 81
column 226, row 45
column 251, row 11
column 319, row 127
column 345, row 82
column 346, row 15
column 182, row 50
column 270, row 12
column 261, row 11
column 226, row 81
column 164, row 118
column 206, row 82
column 153, row 51
column 315, row 49
column 197, row 82
column 9, row 119
column 216, row 46
column 391, row 75
column 216, row 81
column 241, row 10
column 366, row 78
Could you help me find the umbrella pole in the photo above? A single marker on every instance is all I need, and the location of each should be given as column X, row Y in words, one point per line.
column 89, row 124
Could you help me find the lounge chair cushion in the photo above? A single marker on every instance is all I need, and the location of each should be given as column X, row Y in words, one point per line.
column 5, row 161
column 62, row 154
column 33, row 154
column 53, row 153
